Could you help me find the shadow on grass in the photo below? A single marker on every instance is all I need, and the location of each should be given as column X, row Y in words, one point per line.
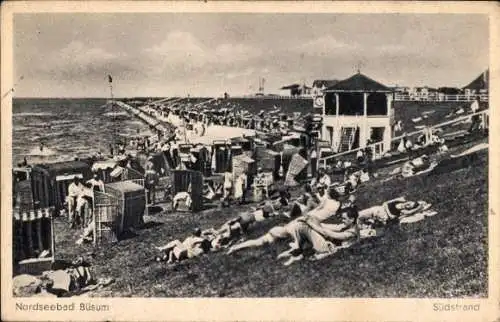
column 152, row 210
column 208, row 206
column 150, row 224
column 127, row 234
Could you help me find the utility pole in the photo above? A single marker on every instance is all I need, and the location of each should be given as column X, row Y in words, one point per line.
column 261, row 85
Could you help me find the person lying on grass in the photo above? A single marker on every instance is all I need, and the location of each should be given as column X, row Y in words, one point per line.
column 324, row 238
column 268, row 209
column 224, row 236
column 390, row 212
column 192, row 246
column 306, row 202
column 182, row 196
column 416, row 166
column 325, row 210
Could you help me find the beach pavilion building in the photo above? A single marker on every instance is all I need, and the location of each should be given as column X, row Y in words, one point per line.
column 356, row 111
column 479, row 86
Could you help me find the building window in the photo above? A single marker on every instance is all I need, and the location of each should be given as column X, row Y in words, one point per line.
column 330, row 104
column 377, row 134
column 351, row 104
column 329, row 134
column 376, row 104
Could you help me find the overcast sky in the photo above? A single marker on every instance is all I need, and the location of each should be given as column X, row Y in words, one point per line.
column 165, row 54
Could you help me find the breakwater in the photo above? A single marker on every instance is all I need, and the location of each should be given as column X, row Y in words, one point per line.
column 148, row 116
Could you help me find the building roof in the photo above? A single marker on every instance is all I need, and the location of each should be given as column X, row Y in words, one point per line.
column 430, row 89
column 291, row 86
column 294, row 86
column 481, row 82
column 76, row 166
column 319, row 83
column 358, row 83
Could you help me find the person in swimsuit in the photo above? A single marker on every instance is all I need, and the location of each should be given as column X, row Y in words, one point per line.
column 268, row 209
column 390, row 212
column 192, row 246
column 327, row 209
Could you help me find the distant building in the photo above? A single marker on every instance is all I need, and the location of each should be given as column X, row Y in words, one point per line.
column 401, row 89
column 296, row 90
column 423, row 93
column 357, row 111
column 321, row 84
column 449, row 90
column 480, row 85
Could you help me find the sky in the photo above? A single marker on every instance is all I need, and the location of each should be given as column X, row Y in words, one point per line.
column 207, row 54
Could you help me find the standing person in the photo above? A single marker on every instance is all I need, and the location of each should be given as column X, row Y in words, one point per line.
column 369, row 158
column 202, row 129
column 314, row 161
column 150, row 179
column 228, row 188
column 111, row 150
column 75, row 191
column 240, row 187
column 476, row 121
column 168, row 155
column 474, row 107
column 360, row 157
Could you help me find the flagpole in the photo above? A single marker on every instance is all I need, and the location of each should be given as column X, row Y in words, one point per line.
column 113, row 139
column 12, row 90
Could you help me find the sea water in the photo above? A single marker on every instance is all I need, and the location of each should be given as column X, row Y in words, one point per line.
column 68, row 128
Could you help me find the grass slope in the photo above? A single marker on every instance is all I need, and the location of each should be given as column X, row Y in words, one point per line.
column 442, row 256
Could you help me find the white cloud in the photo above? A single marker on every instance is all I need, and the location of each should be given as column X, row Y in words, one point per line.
column 235, row 52
column 77, row 52
column 243, row 73
column 184, row 49
column 324, row 46
column 76, row 58
column 179, row 47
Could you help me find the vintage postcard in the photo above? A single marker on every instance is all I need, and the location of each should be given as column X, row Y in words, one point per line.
column 249, row 161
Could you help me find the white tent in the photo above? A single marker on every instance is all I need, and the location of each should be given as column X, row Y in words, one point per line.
column 219, row 132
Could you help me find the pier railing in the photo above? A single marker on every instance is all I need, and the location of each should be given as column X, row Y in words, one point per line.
column 379, row 149
column 440, row 97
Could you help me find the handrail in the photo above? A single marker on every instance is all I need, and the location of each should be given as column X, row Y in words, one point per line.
column 204, row 102
column 433, row 97
column 159, row 101
column 373, row 146
column 175, row 101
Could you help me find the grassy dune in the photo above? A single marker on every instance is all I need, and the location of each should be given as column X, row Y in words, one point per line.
column 442, row 256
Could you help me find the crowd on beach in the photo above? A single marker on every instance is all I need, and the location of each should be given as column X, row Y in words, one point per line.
column 321, row 219
column 322, row 198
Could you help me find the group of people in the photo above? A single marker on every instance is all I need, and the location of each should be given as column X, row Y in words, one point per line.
column 80, row 198
column 321, row 220
column 228, row 114
column 332, row 225
column 203, row 241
